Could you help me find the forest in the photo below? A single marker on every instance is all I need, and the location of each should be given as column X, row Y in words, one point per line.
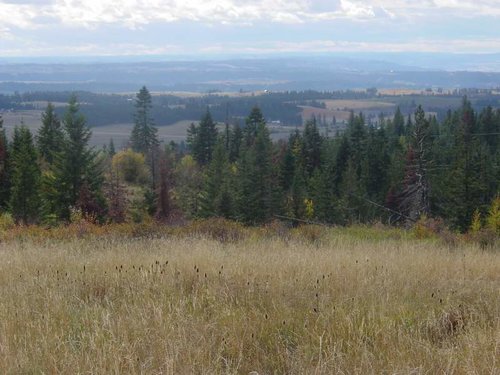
column 398, row 171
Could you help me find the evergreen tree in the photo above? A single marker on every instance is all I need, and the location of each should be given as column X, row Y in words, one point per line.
column 341, row 162
column 377, row 165
column 235, row 141
column 50, row 135
column 144, row 136
column 468, row 188
column 4, row 168
column 398, row 123
column 489, row 127
column 25, row 178
column 415, row 196
column 111, row 148
column 257, row 187
column 253, row 123
column 202, row 139
column 75, row 174
column 311, row 147
column 216, row 198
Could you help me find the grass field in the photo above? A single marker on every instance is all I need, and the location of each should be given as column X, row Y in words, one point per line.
column 100, row 135
column 304, row 301
column 357, row 105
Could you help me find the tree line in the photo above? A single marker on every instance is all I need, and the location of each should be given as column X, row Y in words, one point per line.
column 396, row 171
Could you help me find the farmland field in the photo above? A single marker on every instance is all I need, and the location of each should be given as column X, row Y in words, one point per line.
column 356, row 105
column 297, row 301
column 100, row 135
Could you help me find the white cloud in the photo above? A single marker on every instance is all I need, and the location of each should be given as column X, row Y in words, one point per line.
column 135, row 13
column 314, row 46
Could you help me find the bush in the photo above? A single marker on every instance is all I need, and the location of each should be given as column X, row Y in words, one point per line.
column 131, row 167
column 493, row 219
column 6, row 221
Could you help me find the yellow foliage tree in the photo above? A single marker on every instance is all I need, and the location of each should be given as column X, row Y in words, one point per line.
column 131, row 166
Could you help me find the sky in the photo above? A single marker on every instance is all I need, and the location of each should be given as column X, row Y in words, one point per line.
column 245, row 27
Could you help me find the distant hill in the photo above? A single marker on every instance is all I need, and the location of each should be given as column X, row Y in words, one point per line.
column 333, row 72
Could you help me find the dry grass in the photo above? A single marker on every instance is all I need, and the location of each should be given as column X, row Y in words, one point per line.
column 356, row 105
column 306, row 301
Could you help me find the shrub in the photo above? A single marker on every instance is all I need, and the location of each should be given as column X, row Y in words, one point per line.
column 6, row 221
column 493, row 219
column 131, row 167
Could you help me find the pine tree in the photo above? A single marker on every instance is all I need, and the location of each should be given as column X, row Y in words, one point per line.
column 341, row 161
column 25, row 178
column 216, row 198
column 189, row 184
column 468, row 188
column 377, row 165
column 50, row 135
column 311, row 147
column 144, row 136
column 75, row 174
column 415, row 195
column 253, row 123
column 111, row 148
column 398, row 123
column 235, row 141
column 202, row 139
column 257, row 184
column 4, row 168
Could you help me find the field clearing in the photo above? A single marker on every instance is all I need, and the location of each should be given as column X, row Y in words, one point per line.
column 100, row 135
column 121, row 133
column 305, row 301
column 309, row 112
column 356, row 105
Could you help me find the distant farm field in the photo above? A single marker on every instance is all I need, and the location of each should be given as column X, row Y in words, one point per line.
column 120, row 133
column 356, row 105
column 230, row 300
column 341, row 109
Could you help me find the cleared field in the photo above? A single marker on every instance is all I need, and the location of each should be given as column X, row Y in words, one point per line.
column 357, row 105
column 310, row 112
column 100, row 135
column 121, row 133
column 313, row 301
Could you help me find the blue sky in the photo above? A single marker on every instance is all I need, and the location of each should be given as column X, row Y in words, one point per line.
column 238, row 27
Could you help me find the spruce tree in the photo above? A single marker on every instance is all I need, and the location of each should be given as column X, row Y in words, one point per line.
column 216, row 198
column 468, row 179
column 202, row 139
column 4, row 168
column 257, row 183
column 50, row 135
column 144, row 136
column 25, row 178
column 253, row 123
column 415, row 195
column 311, row 147
column 75, row 174
column 398, row 123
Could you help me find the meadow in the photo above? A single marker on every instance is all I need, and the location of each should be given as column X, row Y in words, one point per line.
column 223, row 299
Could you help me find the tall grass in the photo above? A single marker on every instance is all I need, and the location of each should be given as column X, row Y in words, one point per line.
column 309, row 302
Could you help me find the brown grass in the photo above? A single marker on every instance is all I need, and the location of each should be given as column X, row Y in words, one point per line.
column 270, row 300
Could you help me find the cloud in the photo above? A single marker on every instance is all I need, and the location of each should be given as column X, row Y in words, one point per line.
column 137, row 13
column 319, row 46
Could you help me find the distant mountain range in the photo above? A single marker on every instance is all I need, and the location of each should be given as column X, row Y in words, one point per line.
column 293, row 72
